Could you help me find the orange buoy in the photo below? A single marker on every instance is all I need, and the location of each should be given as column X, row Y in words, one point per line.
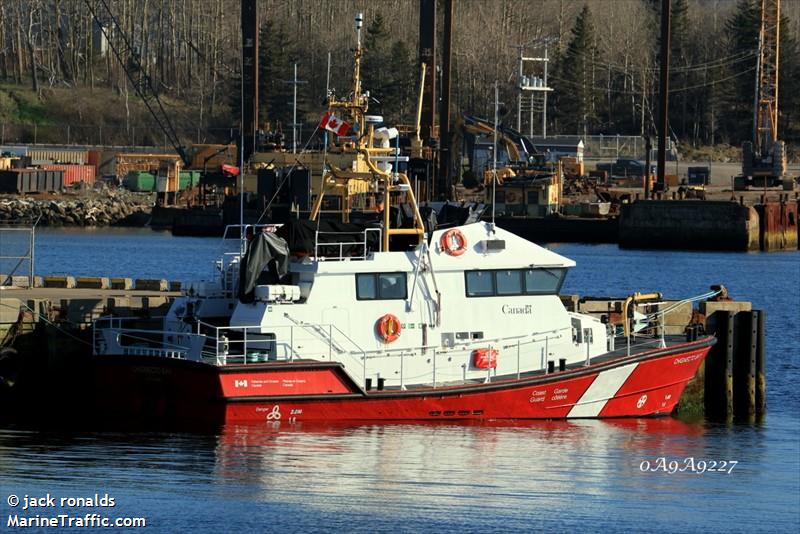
column 389, row 328
column 453, row 242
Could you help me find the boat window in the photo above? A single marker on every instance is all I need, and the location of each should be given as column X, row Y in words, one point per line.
column 365, row 286
column 385, row 286
column 543, row 281
column 392, row 285
column 509, row 282
column 480, row 283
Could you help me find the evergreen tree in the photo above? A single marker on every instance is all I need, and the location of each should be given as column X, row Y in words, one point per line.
column 277, row 55
column 398, row 95
column 789, row 88
column 578, row 94
column 742, row 32
column 681, row 57
column 376, row 71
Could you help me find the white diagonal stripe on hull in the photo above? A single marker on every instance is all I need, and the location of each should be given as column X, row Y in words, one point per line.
column 604, row 387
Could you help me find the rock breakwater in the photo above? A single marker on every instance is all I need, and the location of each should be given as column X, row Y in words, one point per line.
column 103, row 209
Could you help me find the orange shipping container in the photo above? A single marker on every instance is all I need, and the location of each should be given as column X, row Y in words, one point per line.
column 74, row 173
column 93, row 158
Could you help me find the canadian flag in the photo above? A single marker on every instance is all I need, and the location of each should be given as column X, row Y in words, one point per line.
column 334, row 124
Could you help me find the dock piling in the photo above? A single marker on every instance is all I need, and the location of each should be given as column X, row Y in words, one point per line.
column 761, row 371
column 719, row 367
column 745, row 365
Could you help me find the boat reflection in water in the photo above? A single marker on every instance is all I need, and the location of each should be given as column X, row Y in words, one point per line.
column 465, row 467
column 439, row 476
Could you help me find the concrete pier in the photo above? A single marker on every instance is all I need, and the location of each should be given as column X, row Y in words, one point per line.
column 689, row 224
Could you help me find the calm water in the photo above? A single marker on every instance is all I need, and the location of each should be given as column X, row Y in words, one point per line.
column 559, row 475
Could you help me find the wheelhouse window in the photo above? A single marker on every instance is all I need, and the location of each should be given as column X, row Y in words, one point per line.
column 480, row 283
column 509, row 282
column 381, row 286
column 506, row 282
column 544, row 281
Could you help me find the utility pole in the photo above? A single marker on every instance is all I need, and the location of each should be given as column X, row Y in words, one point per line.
column 445, row 149
column 544, row 95
column 249, row 25
column 533, row 84
column 295, row 82
column 663, row 120
column 648, row 146
column 519, row 89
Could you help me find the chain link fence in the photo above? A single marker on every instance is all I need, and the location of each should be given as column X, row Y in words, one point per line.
column 617, row 146
column 98, row 135
column 595, row 146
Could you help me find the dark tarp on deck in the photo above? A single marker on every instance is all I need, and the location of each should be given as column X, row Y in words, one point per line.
column 265, row 251
column 451, row 215
column 301, row 235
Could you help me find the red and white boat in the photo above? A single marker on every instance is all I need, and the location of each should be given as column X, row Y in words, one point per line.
column 395, row 335
column 321, row 322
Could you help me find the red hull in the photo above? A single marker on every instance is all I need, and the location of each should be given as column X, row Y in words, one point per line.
column 648, row 383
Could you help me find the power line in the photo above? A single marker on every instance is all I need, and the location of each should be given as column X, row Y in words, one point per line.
column 676, row 90
column 721, row 62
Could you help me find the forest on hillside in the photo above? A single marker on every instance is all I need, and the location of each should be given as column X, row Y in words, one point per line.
column 603, row 68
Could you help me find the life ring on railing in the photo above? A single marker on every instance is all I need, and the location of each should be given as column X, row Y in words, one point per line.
column 389, row 328
column 453, row 242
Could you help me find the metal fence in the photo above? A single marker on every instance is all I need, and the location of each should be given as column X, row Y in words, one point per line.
column 616, row 146
column 17, row 251
column 595, row 146
column 99, row 135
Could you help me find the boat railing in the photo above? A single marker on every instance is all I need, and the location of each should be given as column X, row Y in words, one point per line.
column 339, row 250
column 118, row 324
column 226, row 345
column 234, row 231
column 243, row 345
column 435, row 375
column 111, row 335
column 248, row 344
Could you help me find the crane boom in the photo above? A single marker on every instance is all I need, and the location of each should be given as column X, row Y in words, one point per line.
column 129, row 61
column 766, row 119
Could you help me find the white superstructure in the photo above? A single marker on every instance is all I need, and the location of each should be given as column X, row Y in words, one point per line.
column 499, row 296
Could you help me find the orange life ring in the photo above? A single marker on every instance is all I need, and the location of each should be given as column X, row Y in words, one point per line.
column 453, row 242
column 389, row 328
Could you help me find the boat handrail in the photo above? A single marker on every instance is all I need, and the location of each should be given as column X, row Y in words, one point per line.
column 471, row 344
column 97, row 326
column 328, row 332
column 244, row 226
column 140, row 338
column 342, row 244
column 253, row 346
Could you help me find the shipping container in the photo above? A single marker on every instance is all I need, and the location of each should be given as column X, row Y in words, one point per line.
column 189, row 179
column 24, row 181
column 43, row 156
column 93, row 158
column 11, row 182
column 14, row 150
column 74, row 173
column 22, row 162
column 140, row 182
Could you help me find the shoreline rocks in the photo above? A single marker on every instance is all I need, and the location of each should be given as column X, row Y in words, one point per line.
column 105, row 208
